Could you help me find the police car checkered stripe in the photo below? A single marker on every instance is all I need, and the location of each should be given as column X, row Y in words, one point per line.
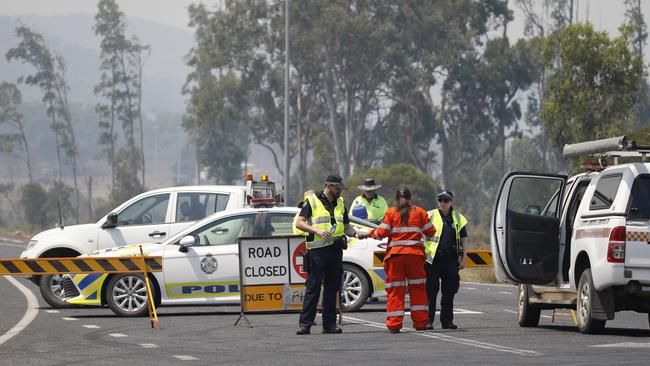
column 636, row 236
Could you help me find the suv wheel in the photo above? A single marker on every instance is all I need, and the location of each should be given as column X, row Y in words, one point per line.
column 527, row 314
column 586, row 293
column 52, row 291
column 126, row 295
column 354, row 288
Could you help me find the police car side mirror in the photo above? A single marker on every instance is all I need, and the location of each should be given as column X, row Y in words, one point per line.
column 186, row 242
column 111, row 221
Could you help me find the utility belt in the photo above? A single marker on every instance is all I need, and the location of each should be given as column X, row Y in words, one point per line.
column 446, row 252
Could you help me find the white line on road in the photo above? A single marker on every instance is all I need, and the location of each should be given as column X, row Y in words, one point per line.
column 118, row 335
column 91, row 326
column 186, row 358
column 30, row 313
column 456, row 311
column 452, row 339
column 69, row 319
column 510, row 311
column 469, row 288
column 504, row 292
column 52, row 311
column 623, row 345
column 147, row 345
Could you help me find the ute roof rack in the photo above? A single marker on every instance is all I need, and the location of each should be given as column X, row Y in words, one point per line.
column 615, row 147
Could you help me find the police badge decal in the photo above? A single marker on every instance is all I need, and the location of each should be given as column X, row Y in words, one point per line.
column 209, row 264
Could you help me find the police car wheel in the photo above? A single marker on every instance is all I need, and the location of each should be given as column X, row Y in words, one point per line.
column 354, row 288
column 585, row 305
column 52, row 291
column 126, row 295
column 527, row 314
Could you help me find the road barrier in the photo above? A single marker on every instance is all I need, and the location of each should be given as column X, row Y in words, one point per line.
column 47, row 266
column 473, row 258
column 84, row 265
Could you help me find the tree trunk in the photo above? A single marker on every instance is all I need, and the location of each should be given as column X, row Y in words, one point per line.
column 331, row 105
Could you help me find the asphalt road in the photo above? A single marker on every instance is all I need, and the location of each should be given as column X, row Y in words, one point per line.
column 485, row 314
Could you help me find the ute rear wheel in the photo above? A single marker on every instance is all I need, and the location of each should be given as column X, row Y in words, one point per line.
column 52, row 291
column 527, row 314
column 126, row 295
column 354, row 288
column 586, row 294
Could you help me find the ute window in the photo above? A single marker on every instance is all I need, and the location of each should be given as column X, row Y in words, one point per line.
column 605, row 192
column 640, row 198
column 195, row 206
column 149, row 210
column 534, row 196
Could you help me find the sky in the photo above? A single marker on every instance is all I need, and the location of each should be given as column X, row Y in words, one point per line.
column 603, row 14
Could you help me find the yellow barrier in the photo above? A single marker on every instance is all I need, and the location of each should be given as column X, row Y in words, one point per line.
column 47, row 266
column 473, row 258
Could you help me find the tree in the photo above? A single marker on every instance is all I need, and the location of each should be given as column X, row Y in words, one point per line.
column 31, row 199
column 634, row 17
column 50, row 78
column 121, row 87
column 592, row 94
column 10, row 99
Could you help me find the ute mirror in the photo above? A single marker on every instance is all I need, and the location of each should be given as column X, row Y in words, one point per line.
column 187, row 241
column 111, row 220
column 533, row 210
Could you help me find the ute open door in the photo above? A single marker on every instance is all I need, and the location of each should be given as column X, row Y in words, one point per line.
column 525, row 228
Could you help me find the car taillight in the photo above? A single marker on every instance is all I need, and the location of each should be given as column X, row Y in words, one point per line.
column 616, row 245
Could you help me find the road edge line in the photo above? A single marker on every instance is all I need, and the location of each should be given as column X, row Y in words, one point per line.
column 28, row 317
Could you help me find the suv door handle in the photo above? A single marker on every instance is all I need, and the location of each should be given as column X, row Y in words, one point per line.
column 157, row 233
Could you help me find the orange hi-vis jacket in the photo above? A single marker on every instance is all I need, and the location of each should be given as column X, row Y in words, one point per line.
column 405, row 238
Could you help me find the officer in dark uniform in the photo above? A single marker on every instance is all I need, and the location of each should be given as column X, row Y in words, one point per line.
column 442, row 269
column 324, row 220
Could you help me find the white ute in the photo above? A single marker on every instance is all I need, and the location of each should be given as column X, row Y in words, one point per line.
column 150, row 217
column 581, row 242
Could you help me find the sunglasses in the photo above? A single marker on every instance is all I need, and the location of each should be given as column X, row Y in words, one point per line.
column 445, row 200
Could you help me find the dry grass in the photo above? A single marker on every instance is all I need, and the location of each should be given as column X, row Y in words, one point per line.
column 483, row 275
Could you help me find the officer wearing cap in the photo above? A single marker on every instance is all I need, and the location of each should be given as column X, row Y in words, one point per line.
column 324, row 220
column 445, row 257
column 374, row 204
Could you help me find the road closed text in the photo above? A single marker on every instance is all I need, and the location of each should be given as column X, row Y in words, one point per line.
column 273, row 271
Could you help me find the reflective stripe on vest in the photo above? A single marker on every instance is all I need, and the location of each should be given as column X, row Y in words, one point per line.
column 321, row 219
column 406, row 229
column 405, row 242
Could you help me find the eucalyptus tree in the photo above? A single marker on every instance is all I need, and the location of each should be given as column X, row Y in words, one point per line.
column 10, row 100
column 120, row 87
column 49, row 76
column 593, row 92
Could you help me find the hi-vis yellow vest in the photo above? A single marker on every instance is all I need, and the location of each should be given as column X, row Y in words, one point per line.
column 376, row 208
column 321, row 219
column 436, row 219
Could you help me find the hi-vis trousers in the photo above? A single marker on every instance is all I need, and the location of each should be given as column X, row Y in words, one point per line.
column 402, row 271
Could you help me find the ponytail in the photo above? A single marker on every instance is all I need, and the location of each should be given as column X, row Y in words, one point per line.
column 403, row 203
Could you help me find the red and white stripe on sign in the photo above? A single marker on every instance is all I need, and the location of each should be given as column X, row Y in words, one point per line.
column 592, row 233
column 637, row 236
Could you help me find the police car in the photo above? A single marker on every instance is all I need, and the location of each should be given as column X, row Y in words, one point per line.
column 201, row 265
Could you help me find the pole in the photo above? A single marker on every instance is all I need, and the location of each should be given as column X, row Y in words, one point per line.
column 286, row 101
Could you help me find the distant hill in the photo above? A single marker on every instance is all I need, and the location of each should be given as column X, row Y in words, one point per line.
column 72, row 37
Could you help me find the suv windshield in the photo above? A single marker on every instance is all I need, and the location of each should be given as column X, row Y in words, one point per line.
column 640, row 198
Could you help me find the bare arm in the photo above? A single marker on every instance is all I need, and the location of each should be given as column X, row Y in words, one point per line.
column 461, row 258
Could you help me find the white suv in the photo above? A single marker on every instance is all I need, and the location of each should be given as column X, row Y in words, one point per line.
column 580, row 242
column 149, row 217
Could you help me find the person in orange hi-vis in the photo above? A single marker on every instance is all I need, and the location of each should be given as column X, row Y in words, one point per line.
column 406, row 226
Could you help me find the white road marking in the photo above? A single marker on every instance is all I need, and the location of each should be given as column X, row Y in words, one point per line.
column 69, row 319
column 91, row 326
column 186, row 357
column 505, row 292
column 469, row 288
column 510, row 311
column 147, row 345
column 118, row 335
column 452, row 339
column 624, row 345
column 456, row 311
column 30, row 313
column 52, row 311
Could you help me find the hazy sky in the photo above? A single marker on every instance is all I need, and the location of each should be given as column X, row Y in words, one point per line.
column 604, row 14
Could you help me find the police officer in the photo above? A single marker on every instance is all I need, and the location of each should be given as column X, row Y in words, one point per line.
column 445, row 257
column 324, row 220
column 375, row 204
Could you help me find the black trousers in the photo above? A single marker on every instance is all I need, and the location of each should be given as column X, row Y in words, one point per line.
column 443, row 275
column 326, row 268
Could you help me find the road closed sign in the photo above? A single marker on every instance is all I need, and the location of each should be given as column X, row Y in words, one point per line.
column 271, row 272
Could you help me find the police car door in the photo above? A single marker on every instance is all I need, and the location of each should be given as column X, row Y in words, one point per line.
column 208, row 272
column 525, row 228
